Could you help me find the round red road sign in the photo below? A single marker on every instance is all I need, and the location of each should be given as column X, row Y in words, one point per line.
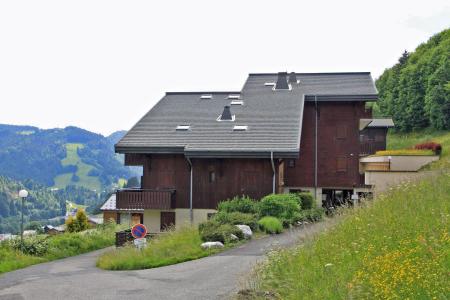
column 139, row 231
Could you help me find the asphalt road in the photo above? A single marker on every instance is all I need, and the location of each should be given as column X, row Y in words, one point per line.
column 214, row 277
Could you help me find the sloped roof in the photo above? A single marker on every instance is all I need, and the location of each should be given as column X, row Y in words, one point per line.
column 274, row 118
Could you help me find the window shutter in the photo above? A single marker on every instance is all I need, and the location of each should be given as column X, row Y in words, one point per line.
column 341, row 164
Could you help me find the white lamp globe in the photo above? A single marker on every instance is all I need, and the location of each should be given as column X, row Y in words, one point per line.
column 23, row 193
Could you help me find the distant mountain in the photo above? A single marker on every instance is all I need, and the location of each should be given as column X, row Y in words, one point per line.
column 116, row 136
column 62, row 157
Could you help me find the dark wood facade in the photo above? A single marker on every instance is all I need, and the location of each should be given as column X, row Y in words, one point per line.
column 337, row 146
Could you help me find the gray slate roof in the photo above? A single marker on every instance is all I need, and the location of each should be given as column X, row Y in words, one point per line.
column 273, row 118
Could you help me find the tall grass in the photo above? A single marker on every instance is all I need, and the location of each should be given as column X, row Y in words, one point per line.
column 167, row 249
column 398, row 247
column 59, row 246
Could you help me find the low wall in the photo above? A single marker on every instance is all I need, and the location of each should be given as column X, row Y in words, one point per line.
column 382, row 181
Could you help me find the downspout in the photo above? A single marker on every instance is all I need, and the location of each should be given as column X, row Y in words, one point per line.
column 274, row 173
column 191, row 212
column 315, row 151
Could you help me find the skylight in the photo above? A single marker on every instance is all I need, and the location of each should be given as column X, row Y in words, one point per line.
column 234, row 96
column 183, row 127
column 206, row 96
column 237, row 102
column 240, row 128
column 269, row 84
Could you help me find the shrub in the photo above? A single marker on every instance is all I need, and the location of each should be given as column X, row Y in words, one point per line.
column 242, row 204
column 435, row 147
column 79, row 223
column 237, row 218
column 281, row 206
column 37, row 246
column 421, row 152
column 313, row 215
column 271, row 225
column 213, row 231
column 306, row 200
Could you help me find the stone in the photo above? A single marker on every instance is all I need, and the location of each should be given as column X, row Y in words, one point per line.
column 233, row 237
column 209, row 245
column 246, row 230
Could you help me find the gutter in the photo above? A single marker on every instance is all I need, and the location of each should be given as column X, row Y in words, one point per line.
column 274, row 173
column 191, row 212
column 315, row 150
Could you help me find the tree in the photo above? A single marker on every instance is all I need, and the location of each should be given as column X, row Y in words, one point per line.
column 79, row 223
column 133, row 182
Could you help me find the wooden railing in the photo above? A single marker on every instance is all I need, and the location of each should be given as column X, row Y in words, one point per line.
column 145, row 199
column 370, row 147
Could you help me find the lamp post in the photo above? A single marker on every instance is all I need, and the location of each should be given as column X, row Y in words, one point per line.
column 22, row 194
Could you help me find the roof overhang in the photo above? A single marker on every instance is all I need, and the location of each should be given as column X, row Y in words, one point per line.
column 367, row 97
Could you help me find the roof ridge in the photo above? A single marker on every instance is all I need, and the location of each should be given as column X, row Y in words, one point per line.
column 315, row 73
column 203, row 92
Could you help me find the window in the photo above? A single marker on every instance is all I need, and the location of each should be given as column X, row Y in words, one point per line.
column 240, row 128
column 237, row 102
column 341, row 164
column 291, row 163
column 183, row 127
column 234, row 96
column 206, row 96
column 269, row 84
column 212, row 176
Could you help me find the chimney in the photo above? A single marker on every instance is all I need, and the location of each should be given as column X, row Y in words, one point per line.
column 292, row 78
column 282, row 83
column 226, row 114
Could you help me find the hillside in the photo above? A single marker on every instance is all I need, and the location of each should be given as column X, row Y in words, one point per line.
column 395, row 247
column 61, row 157
column 416, row 91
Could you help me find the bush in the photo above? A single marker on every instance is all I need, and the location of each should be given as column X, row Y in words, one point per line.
column 37, row 246
column 213, row 231
column 271, row 225
column 306, row 200
column 242, row 204
column 435, row 147
column 79, row 223
column 237, row 218
column 313, row 215
column 281, row 206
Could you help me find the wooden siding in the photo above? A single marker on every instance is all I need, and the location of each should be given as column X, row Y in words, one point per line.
column 338, row 146
column 372, row 140
column 232, row 177
column 145, row 199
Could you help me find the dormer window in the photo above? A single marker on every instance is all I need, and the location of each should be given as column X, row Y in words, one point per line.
column 183, row 127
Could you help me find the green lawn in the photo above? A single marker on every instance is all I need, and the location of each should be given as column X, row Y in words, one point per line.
column 72, row 158
column 395, row 247
column 167, row 249
column 58, row 246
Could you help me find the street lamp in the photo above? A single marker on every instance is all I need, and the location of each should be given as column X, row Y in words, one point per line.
column 22, row 194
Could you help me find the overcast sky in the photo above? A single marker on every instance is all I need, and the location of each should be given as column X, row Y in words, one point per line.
column 101, row 65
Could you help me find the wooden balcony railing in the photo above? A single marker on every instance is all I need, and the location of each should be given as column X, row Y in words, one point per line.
column 145, row 199
column 370, row 147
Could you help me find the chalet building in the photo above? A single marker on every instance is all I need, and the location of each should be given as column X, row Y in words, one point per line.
column 281, row 133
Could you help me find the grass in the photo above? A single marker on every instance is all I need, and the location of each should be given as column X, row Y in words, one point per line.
column 59, row 246
column 72, row 205
column 72, row 158
column 413, row 152
column 167, row 249
column 271, row 225
column 396, row 247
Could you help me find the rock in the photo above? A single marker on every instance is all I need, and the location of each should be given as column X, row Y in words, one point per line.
column 246, row 231
column 233, row 237
column 209, row 245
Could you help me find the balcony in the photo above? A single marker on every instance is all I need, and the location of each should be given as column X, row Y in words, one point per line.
column 145, row 199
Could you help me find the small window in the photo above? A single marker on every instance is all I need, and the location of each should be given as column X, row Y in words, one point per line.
column 240, row 128
column 206, row 96
column 291, row 163
column 341, row 164
column 269, row 84
column 212, row 176
column 183, row 127
column 234, row 96
column 237, row 102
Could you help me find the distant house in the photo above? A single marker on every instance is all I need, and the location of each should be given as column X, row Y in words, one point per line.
column 94, row 221
column 6, row 236
column 121, row 216
column 280, row 133
column 52, row 230
column 29, row 232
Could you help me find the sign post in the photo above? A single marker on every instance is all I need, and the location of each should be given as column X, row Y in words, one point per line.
column 139, row 231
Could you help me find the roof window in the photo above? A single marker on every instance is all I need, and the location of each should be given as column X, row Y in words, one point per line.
column 237, row 102
column 234, row 96
column 183, row 127
column 206, row 96
column 269, row 84
column 240, row 128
